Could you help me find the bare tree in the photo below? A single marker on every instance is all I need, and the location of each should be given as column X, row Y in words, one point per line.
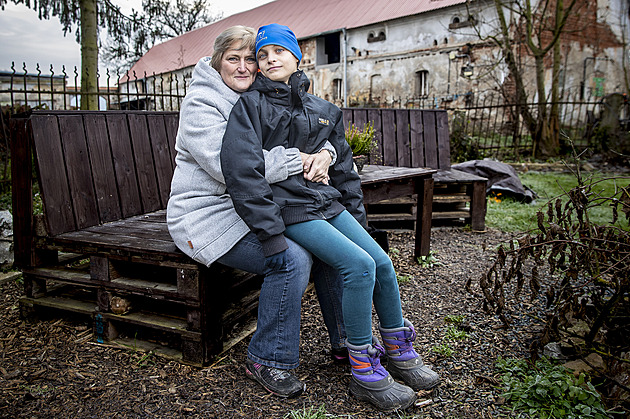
column 132, row 35
column 86, row 16
column 534, row 28
column 162, row 20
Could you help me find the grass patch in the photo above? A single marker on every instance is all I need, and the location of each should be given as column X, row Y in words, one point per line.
column 509, row 215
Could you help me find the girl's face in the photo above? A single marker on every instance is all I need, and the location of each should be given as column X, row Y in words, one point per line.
column 277, row 63
column 238, row 67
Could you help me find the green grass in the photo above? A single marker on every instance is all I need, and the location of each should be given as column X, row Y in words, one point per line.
column 509, row 215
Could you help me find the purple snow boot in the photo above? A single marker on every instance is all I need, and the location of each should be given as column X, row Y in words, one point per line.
column 403, row 362
column 372, row 383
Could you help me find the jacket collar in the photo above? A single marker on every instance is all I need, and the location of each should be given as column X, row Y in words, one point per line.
column 294, row 92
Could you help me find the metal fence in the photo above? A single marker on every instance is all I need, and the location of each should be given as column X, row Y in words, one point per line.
column 21, row 89
column 485, row 125
column 482, row 124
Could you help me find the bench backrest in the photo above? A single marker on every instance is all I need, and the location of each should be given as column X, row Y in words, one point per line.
column 407, row 137
column 95, row 167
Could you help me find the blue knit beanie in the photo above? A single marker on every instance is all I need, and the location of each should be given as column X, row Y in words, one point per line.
column 274, row 34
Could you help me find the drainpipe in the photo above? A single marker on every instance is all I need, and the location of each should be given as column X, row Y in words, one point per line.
column 345, row 68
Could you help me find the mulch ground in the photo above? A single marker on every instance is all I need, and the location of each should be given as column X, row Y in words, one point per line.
column 53, row 368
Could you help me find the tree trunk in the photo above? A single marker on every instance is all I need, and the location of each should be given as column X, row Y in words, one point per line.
column 89, row 55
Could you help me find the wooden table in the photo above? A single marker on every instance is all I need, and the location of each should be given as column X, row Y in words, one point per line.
column 386, row 182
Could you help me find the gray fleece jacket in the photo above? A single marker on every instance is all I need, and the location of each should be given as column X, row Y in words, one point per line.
column 200, row 214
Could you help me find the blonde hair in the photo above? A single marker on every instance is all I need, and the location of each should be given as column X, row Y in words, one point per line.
column 224, row 41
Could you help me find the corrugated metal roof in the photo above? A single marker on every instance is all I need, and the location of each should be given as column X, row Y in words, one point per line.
column 305, row 17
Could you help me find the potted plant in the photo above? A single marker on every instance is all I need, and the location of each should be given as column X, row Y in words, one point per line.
column 361, row 142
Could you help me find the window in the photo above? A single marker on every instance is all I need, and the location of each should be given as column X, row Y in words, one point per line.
column 457, row 22
column 337, row 85
column 372, row 37
column 328, row 49
column 422, row 83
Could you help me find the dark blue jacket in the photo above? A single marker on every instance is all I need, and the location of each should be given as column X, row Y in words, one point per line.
column 274, row 114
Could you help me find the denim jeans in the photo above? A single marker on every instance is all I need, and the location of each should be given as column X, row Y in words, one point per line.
column 368, row 272
column 277, row 338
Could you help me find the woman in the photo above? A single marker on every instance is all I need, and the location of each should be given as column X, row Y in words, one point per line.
column 204, row 225
column 328, row 219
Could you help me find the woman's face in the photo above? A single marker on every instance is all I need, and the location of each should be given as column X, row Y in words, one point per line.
column 238, row 67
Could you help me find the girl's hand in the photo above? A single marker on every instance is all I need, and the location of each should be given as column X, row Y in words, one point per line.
column 316, row 166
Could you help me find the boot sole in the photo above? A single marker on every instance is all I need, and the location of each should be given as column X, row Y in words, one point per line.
column 362, row 396
column 394, row 373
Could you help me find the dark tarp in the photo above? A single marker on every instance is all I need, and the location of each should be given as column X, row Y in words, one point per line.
column 502, row 178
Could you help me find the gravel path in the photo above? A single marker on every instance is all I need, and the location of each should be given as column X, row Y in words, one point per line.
column 52, row 368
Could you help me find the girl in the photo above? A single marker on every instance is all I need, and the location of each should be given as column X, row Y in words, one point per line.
column 326, row 218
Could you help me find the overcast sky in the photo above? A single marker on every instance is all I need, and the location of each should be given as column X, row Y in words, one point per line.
column 27, row 39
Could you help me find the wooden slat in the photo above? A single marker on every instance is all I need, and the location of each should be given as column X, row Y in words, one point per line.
column 80, row 173
column 145, row 168
column 131, row 244
column 430, row 143
column 374, row 115
column 416, row 140
column 161, row 156
column 443, row 141
column 360, row 118
column 53, row 180
column 124, row 165
column 389, row 137
column 347, row 117
column 402, row 138
column 102, row 167
column 172, row 123
column 21, row 191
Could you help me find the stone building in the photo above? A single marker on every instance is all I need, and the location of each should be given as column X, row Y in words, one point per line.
column 415, row 53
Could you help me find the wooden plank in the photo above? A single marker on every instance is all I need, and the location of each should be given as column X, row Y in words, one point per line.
column 388, row 118
column 134, row 245
column 402, row 138
column 124, row 165
column 430, row 140
column 374, row 116
column 161, row 155
column 347, row 117
column 145, row 168
column 416, row 138
column 79, row 168
column 443, row 140
column 21, row 191
column 424, row 210
column 60, row 303
column 102, row 167
column 360, row 118
column 172, row 123
column 53, row 180
column 478, row 206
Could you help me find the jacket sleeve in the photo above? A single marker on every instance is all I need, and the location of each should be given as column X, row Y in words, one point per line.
column 243, row 165
column 201, row 130
column 343, row 177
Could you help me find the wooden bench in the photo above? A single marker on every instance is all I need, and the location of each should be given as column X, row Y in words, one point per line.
column 420, row 138
column 104, row 181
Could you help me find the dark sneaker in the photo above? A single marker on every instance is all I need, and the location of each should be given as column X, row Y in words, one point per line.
column 276, row 381
column 339, row 355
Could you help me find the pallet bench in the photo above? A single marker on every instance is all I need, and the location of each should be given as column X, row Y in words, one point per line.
column 420, row 138
column 104, row 182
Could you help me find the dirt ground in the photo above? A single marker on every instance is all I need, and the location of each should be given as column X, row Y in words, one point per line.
column 53, row 368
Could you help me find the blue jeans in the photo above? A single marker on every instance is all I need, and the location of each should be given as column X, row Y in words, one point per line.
column 368, row 272
column 276, row 341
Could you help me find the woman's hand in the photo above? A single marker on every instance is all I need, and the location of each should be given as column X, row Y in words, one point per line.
column 316, row 166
